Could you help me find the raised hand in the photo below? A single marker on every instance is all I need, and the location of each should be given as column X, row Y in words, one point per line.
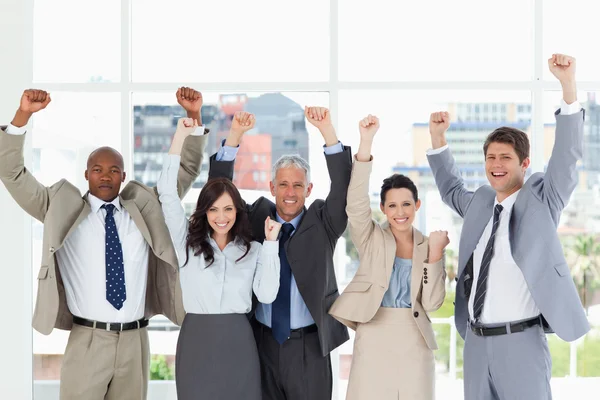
column 439, row 122
column 186, row 126
column 438, row 240
column 368, row 127
column 562, row 67
column 320, row 118
column 241, row 123
column 189, row 99
column 272, row 229
column 34, row 100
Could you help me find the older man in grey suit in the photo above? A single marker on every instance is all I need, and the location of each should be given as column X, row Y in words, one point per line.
column 513, row 281
column 108, row 263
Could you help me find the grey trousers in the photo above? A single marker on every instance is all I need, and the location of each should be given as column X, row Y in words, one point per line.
column 515, row 366
column 294, row 370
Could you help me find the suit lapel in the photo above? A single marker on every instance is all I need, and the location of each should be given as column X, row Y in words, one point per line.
column 135, row 214
column 472, row 230
column 85, row 211
column 390, row 243
column 419, row 256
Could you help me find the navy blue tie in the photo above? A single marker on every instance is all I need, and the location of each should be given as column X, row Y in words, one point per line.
column 280, row 317
column 115, row 272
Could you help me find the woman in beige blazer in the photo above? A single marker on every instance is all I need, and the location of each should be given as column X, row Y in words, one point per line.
column 400, row 279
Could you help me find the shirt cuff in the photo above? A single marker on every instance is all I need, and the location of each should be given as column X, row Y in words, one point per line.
column 271, row 246
column 199, row 131
column 568, row 109
column 227, row 153
column 335, row 149
column 13, row 130
column 432, row 152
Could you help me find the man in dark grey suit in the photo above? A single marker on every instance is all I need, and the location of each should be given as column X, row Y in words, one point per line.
column 295, row 334
column 513, row 281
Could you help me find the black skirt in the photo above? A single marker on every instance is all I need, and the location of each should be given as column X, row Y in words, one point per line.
column 217, row 359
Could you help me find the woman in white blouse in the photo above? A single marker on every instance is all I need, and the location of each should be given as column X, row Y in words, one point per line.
column 220, row 267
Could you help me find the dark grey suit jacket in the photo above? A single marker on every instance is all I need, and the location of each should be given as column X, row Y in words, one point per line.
column 310, row 250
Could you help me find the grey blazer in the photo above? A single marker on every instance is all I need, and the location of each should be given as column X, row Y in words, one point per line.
column 534, row 243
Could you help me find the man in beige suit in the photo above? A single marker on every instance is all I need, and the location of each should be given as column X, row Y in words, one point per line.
column 108, row 263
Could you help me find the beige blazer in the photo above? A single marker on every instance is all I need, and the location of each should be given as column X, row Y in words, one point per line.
column 61, row 208
column 377, row 249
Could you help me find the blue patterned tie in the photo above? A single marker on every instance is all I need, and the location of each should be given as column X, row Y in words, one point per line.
column 484, row 270
column 280, row 317
column 115, row 272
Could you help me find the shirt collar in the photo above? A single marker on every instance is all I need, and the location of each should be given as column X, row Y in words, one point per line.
column 96, row 203
column 295, row 222
column 509, row 202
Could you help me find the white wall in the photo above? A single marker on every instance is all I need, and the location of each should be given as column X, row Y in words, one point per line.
column 15, row 231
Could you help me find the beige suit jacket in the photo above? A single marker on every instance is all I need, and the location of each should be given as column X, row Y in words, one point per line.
column 61, row 208
column 377, row 249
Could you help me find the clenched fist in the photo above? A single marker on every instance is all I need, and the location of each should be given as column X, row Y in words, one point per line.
column 189, row 99
column 241, row 123
column 272, row 229
column 562, row 67
column 368, row 127
column 438, row 240
column 186, row 126
column 34, row 100
column 439, row 122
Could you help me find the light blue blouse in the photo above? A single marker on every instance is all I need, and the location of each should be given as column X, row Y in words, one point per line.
column 398, row 293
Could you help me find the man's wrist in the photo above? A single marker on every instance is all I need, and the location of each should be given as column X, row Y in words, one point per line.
column 195, row 115
column 21, row 118
column 233, row 140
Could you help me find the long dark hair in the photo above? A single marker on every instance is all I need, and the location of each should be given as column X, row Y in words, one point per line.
column 199, row 228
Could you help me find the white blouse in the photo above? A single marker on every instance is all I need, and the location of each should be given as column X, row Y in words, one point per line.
column 224, row 287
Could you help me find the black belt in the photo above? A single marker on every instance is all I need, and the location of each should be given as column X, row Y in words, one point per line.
column 502, row 330
column 111, row 326
column 295, row 333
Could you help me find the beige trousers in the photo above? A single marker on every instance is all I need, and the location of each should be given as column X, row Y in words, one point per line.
column 102, row 365
column 391, row 360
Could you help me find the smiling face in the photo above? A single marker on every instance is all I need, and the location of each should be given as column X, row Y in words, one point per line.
column 290, row 189
column 221, row 214
column 400, row 209
column 105, row 173
column 504, row 171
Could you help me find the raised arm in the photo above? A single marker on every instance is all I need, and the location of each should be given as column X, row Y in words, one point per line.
column 173, row 211
column 266, row 277
column 358, row 207
column 193, row 150
column 447, row 176
column 32, row 196
column 339, row 166
column 561, row 175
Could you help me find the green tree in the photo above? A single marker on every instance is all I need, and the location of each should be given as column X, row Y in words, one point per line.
column 585, row 266
column 160, row 370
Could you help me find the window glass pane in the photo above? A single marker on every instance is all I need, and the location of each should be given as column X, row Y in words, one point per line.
column 213, row 41
column 77, row 41
column 572, row 29
column 435, row 40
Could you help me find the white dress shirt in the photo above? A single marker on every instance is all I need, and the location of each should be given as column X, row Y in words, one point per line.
column 226, row 286
column 82, row 265
column 83, row 269
column 508, row 297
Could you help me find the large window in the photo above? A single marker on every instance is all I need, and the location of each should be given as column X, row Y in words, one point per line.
column 113, row 68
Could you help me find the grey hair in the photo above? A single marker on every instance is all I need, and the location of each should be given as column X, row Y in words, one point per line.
column 291, row 160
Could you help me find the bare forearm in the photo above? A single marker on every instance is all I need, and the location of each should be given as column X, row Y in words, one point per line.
column 569, row 90
column 21, row 118
column 438, row 141
column 329, row 135
column 364, row 150
column 197, row 115
column 177, row 144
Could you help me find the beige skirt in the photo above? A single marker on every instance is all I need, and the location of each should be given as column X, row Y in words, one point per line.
column 391, row 360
